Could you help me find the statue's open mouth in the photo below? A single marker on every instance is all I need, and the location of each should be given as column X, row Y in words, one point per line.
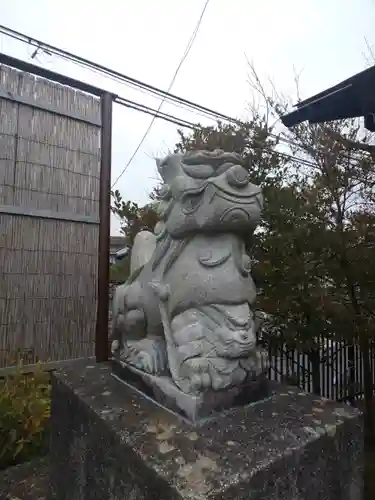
column 248, row 194
column 233, row 198
column 192, row 199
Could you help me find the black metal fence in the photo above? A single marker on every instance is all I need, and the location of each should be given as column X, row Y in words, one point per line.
column 334, row 370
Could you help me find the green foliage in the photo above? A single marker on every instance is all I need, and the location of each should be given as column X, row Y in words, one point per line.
column 318, row 231
column 24, row 413
column 120, row 272
column 313, row 250
column 312, row 253
column 133, row 218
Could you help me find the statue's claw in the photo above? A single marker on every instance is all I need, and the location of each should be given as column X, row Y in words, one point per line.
column 201, row 382
column 147, row 354
column 198, row 371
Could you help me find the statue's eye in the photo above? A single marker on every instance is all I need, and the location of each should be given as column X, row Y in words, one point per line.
column 198, row 171
column 237, row 176
column 191, row 202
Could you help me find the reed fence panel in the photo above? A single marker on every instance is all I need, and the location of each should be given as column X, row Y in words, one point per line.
column 49, row 219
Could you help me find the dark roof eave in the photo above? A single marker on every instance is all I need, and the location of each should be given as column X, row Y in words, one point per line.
column 349, row 99
column 365, row 77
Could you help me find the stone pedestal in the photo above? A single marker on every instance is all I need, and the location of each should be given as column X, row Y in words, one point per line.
column 109, row 441
column 194, row 409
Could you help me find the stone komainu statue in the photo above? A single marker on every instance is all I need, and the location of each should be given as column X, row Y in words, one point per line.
column 185, row 312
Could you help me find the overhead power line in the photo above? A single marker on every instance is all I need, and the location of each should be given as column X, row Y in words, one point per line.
column 122, row 78
column 52, row 50
column 156, row 113
column 178, row 121
column 137, row 84
column 183, row 58
column 24, row 66
column 165, row 116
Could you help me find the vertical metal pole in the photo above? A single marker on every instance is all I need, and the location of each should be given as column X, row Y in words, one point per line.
column 101, row 334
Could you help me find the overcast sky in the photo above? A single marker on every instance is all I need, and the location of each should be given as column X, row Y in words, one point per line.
column 325, row 39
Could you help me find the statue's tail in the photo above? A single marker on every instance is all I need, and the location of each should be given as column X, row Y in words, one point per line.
column 143, row 248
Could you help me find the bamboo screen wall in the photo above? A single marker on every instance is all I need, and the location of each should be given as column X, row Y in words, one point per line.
column 49, row 211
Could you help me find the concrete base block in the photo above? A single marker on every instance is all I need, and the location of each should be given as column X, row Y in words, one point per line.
column 109, row 441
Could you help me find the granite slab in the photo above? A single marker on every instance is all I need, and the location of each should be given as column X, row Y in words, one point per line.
column 109, row 441
column 194, row 408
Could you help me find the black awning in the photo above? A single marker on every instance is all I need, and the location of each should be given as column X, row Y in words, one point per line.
column 351, row 98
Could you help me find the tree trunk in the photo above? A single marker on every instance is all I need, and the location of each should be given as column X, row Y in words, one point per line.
column 368, row 391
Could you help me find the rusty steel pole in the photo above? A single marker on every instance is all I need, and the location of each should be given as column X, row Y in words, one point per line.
column 101, row 334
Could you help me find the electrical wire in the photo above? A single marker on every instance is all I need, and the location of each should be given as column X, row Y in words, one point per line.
column 155, row 113
column 183, row 123
column 52, row 50
column 143, row 87
column 255, row 143
column 134, row 83
column 184, row 56
column 138, row 89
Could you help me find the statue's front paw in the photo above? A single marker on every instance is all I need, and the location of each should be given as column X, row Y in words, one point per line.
column 148, row 355
column 200, row 382
column 198, row 372
column 115, row 347
column 256, row 364
column 147, row 362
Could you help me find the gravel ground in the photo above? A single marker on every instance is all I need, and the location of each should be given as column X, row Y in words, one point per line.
column 28, row 481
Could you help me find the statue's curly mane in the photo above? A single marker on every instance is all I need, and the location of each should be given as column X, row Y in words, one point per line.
column 215, row 157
